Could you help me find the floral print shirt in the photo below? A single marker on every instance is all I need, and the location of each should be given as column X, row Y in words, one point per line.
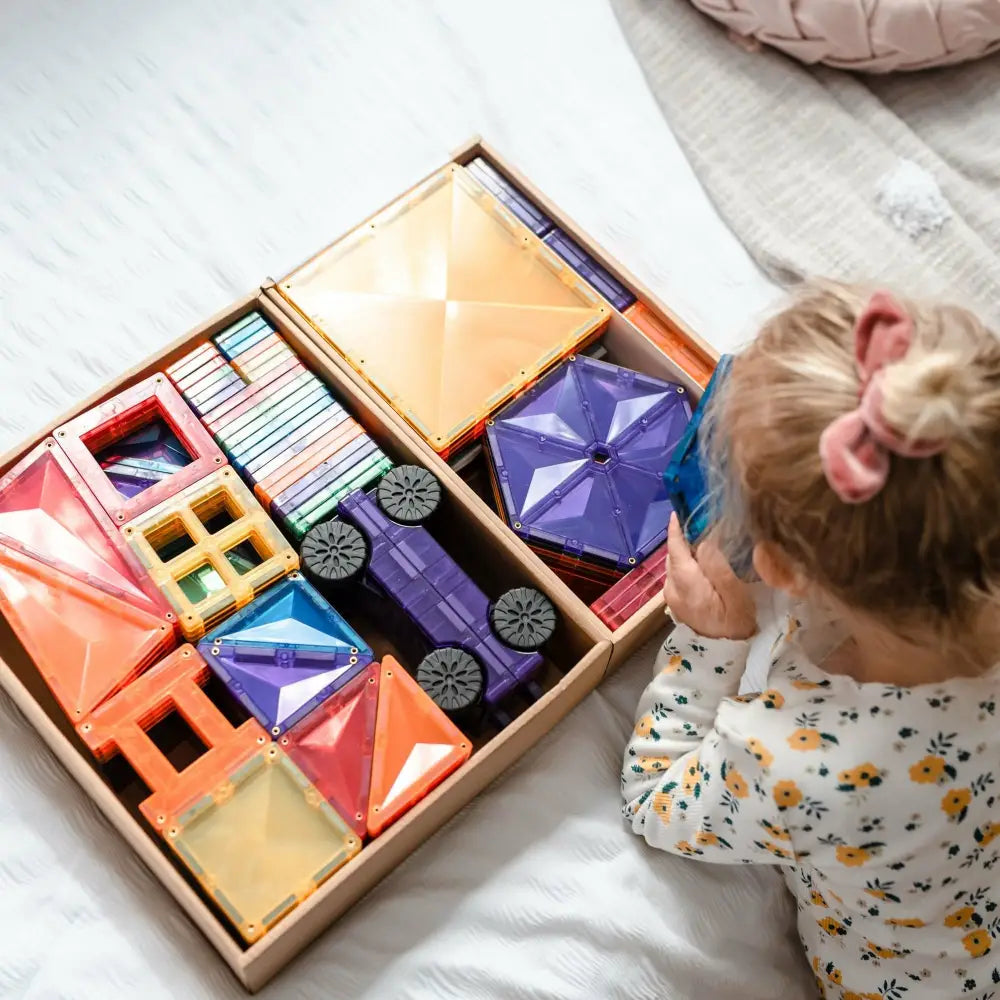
column 879, row 803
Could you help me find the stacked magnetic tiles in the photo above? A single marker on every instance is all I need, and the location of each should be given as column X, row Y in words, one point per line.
column 498, row 294
column 127, row 529
column 278, row 423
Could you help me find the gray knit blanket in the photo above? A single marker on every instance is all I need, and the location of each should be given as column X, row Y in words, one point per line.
column 891, row 179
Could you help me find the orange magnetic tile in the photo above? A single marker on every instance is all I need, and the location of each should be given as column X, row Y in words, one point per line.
column 416, row 747
column 132, row 409
column 334, row 744
column 690, row 358
column 121, row 725
column 86, row 641
column 447, row 304
column 262, row 842
column 291, row 472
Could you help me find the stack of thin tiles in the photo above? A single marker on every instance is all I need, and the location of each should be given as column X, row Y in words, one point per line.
column 277, row 423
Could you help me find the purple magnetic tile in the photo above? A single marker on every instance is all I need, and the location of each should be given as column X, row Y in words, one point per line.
column 577, row 457
column 398, row 558
column 285, row 652
column 590, row 270
column 323, row 475
column 507, row 194
column 261, row 683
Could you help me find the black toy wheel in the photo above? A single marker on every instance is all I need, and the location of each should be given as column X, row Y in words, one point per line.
column 408, row 494
column 452, row 678
column 523, row 618
column 333, row 552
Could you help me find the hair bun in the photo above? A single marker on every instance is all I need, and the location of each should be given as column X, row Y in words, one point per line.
column 926, row 396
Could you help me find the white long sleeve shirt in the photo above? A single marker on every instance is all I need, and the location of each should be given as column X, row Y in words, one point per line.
column 880, row 804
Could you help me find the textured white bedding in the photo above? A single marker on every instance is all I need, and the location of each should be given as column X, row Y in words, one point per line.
column 156, row 161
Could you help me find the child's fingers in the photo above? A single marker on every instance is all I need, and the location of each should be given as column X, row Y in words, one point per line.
column 681, row 565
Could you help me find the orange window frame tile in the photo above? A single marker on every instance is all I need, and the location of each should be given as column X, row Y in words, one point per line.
column 175, row 684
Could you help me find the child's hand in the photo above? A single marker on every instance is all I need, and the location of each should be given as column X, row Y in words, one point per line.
column 702, row 591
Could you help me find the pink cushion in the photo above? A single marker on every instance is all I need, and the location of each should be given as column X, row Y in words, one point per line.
column 874, row 36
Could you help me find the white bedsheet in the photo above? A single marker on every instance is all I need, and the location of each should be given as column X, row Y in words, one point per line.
column 159, row 159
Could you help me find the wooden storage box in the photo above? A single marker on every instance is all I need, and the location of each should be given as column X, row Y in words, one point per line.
column 577, row 658
column 624, row 345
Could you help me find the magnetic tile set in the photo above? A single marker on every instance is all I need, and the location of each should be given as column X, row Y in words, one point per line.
column 258, row 575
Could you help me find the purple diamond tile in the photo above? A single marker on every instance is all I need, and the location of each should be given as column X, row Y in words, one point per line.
column 285, row 653
column 578, row 460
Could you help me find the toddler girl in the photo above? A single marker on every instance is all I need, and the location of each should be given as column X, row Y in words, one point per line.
column 860, row 442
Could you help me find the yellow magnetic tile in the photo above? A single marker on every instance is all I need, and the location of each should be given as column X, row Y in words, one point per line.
column 207, row 580
column 263, row 842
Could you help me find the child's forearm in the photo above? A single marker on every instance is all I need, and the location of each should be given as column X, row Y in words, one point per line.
column 689, row 788
column 677, row 710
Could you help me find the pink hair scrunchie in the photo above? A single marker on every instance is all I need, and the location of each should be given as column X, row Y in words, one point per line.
column 854, row 449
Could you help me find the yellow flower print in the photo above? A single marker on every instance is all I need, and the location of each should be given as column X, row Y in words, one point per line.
column 706, row 839
column 831, row 926
column 764, row 756
column 905, row 922
column 803, row 685
column 653, row 763
column 978, row 942
column 881, row 952
column 778, row 852
column 772, row 698
column 834, row 975
column 787, row 794
column 674, row 664
column 662, row 805
column 805, row 739
column 851, row 995
column 817, row 898
column 644, row 726
column 690, row 779
column 853, row 857
column 683, row 847
column 863, row 776
column 961, row 918
column 986, row 834
column 930, row 770
column 736, row 783
column 746, row 699
column 776, row 831
column 955, row 803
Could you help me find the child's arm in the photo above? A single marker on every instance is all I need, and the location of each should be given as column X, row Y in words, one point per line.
column 693, row 783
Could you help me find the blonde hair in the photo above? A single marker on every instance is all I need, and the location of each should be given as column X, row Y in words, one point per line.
column 925, row 551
